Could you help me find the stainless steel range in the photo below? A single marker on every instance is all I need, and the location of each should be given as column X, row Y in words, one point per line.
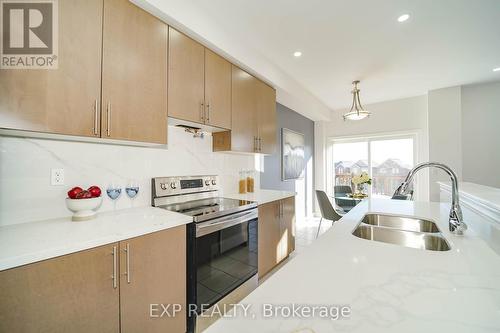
column 221, row 241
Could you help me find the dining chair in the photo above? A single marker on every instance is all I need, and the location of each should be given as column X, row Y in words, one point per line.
column 326, row 208
column 340, row 191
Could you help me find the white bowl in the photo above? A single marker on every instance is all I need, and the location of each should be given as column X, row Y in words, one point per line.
column 83, row 209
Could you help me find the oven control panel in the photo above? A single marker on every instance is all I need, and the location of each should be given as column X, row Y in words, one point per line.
column 166, row 186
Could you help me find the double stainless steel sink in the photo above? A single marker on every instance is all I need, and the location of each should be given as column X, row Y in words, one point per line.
column 400, row 230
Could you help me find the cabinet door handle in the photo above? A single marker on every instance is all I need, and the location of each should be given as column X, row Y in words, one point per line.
column 108, row 113
column 127, row 272
column 208, row 112
column 115, row 267
column 96, row 123
column 202, row 112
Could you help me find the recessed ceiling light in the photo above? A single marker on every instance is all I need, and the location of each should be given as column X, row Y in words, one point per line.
column 496, row 69
column 297, row 54
column 403, row 17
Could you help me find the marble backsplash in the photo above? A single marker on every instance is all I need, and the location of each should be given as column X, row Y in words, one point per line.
column 25, row 165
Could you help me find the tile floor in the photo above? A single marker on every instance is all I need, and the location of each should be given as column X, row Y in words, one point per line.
column 305, row 235
column 306, row 230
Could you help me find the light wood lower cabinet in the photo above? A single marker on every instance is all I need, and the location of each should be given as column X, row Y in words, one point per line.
column 153, row 271
column 105, row 289
column 72, row 293
column 268, row 238
column 288, row 212
column 276, row 233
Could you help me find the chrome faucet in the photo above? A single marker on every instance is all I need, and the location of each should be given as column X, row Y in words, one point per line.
column 456, row 224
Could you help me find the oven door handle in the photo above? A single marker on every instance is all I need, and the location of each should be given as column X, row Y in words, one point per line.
column 224, row 222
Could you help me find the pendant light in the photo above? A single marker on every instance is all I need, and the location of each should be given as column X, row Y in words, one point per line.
column 357, row 112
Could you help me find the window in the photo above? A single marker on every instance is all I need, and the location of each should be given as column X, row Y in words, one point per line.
column 386, row 159
column 350, row 159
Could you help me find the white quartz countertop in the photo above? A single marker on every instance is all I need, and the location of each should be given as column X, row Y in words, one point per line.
column 26, row 243
column 261, row 196
column 389, row 288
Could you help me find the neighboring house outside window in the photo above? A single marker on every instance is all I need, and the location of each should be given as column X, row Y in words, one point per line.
column 386, row 176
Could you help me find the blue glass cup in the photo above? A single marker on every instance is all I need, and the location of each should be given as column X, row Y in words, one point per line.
column 114, row 191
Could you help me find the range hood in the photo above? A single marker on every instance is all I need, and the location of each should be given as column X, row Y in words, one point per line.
column 194, row 126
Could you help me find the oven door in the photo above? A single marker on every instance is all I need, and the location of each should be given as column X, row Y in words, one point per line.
column 225, row 256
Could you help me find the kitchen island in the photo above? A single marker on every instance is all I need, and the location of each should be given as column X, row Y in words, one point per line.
column 388, row 288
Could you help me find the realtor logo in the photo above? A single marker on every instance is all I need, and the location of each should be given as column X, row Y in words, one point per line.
column 29, row 34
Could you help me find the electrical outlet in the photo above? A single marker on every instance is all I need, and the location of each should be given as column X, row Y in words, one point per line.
column 56, row 177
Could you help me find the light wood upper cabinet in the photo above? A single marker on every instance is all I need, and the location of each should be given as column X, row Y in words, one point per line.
column 266, row 118
column 199, row 86
column 71, row 293
column 186, row 71
column 253, row 120
column 217, row 90
column 153, row 271
column 68, row 100
column 122, row 72
column 134, row 74
column 244, row 115
column 61, row 100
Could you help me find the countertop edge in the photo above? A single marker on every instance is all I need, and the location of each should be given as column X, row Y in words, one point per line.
column 31, row 257
column 262, row 197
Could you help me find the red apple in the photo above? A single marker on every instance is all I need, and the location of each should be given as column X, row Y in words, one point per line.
column 95, row 191
column 84, row 195
column 74, row 192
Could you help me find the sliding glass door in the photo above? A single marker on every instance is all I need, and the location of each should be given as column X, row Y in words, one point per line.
column 349, row 159
column 386, row 159
column 391, row 160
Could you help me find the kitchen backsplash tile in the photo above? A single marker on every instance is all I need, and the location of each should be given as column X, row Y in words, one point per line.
column 26, row 194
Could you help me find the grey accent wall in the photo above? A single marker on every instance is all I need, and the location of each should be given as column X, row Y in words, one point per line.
column 270, row 178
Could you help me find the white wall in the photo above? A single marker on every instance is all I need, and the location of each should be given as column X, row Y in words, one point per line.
column 25, row 165
column 464, row 134
column 458, row 126
column 445, row 132
column 481, row 133
column 397, row 116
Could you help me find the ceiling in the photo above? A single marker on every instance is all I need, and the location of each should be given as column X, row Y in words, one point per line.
column 444, row 43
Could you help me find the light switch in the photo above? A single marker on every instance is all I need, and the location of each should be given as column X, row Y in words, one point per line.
column 56, row 177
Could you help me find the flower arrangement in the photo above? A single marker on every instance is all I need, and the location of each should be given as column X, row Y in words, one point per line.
column 359, row 182
column 363, row 178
